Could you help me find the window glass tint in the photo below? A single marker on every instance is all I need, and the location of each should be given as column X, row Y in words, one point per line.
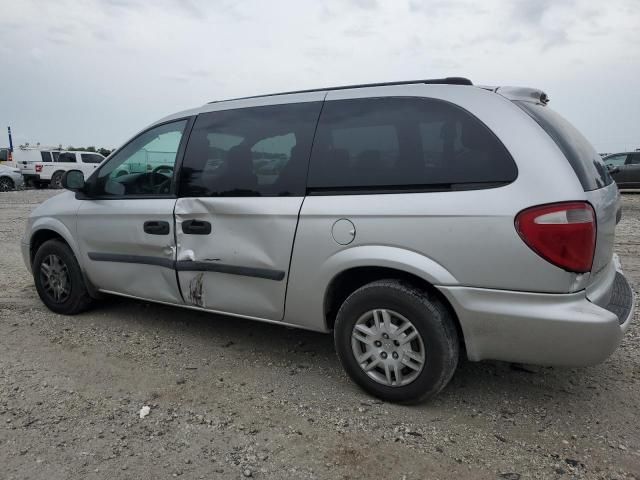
column 634, row 159
column 250, row 151
column 3, row 155
column 615, row 160
column 56, row 156
column 144, row 166
column 583, row 158
column 67, row 157
column 46, row 156
column 391, row 143
column 91, row 158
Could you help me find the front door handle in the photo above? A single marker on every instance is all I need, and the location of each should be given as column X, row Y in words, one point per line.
column 153, row 227
column 196, row 227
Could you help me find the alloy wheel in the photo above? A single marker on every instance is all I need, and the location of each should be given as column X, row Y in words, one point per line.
column 5, row 185
column 388, row 347
column 55, row 279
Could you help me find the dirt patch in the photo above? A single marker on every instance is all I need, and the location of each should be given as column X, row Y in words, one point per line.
column 231, row 398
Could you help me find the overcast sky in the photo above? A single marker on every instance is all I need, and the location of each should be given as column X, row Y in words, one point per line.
column 94, row 72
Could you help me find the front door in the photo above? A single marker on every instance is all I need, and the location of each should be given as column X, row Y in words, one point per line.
column 242, row 185
column 126, row 225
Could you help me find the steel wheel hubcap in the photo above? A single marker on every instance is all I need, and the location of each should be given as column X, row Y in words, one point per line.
column 388, row 347
column 55, row 278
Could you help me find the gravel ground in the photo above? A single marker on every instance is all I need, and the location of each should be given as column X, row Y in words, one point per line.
column 231, row 398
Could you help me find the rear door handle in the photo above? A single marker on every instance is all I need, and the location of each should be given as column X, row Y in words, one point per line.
column 154, row 227
column 196, row 227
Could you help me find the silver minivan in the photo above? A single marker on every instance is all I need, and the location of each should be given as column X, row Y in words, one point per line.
column 417, row 221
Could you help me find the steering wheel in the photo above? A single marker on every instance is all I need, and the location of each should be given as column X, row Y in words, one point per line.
column 154, row 183
column 163, row 168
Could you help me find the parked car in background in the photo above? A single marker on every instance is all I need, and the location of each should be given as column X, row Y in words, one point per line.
column 624, row 168
column 50, row 172
column 10, row 178
column 406, row 218
column 26, row 158
column 5, row 156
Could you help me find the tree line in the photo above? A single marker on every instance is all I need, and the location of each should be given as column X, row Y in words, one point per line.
column 102, row 151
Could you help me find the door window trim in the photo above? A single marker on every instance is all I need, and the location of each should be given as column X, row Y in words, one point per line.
column 176, row 166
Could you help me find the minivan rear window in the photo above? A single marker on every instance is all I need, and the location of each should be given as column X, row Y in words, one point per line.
column 404, row 144
column 583, row 158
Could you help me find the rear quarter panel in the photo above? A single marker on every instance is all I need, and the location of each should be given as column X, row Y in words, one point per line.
column 470, row 235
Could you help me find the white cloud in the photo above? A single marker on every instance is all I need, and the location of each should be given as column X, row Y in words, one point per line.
column 95, row 72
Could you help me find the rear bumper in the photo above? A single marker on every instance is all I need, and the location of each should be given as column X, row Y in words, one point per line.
column 17, row 180
column 541, row 329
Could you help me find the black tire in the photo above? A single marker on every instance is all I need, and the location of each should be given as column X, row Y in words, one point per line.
column 56, row 180
column 433, row 323
column 77, row 299
column 6, row 184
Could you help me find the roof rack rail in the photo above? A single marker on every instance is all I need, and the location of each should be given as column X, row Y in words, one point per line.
column 432, row 81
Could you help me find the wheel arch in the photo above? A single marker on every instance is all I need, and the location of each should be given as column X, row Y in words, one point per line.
column 7, row 177
column 48, row 229
column 54, row 229
column 394, row 263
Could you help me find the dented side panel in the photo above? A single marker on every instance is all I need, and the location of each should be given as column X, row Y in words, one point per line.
column 242, row 266
column 114, row 247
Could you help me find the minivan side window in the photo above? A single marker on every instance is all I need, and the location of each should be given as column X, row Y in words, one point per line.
column 580, row 154
column 401, row 143
column 143, row 167
column 256, row 151
column 56, row 155
column 46, row 156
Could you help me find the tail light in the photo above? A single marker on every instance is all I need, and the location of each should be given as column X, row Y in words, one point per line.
column 561, row 233
column 38, row 168
column 10, row 157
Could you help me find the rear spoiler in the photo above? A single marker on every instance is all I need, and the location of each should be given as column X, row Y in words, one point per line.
column 523, row 94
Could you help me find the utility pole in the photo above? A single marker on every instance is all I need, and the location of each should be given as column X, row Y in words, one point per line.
column 10, row 140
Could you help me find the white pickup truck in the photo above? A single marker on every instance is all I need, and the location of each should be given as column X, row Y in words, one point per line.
column 50, row 173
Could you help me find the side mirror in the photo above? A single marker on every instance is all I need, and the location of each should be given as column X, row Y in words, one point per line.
column 73, row 180
column 613, row 168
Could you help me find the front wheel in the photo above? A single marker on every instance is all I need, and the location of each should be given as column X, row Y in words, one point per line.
column 6, row 184
column 58, row 278
column 396, row 341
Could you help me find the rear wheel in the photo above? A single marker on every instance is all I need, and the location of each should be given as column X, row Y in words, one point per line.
column 396, row 341
column 58, row 279
column 56, row 180
column 6, row 184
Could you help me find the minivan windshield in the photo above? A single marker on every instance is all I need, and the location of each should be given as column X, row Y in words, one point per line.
column 584, row 159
